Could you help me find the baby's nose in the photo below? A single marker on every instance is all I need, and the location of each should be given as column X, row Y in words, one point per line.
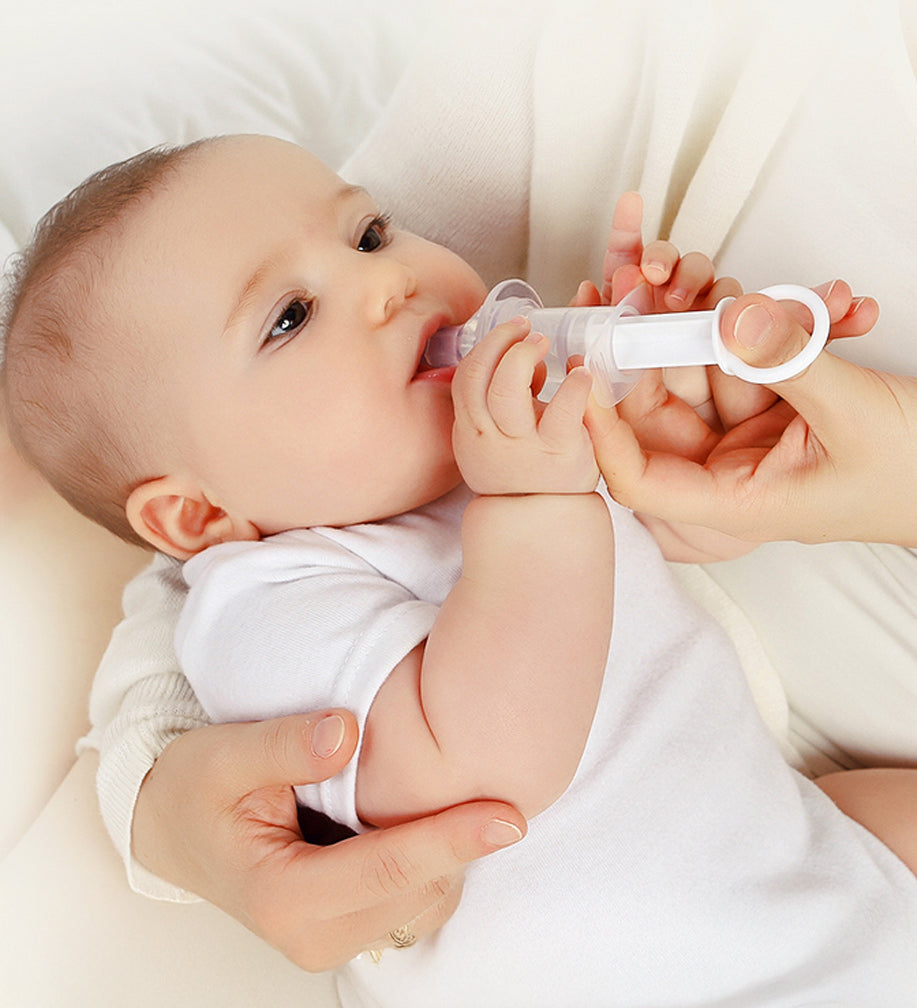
column 394, row 285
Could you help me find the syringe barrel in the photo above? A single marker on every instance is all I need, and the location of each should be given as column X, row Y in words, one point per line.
column 617, row 344
column 586, row 333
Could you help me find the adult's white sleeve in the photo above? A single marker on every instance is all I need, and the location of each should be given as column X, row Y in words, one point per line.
column 140, row 702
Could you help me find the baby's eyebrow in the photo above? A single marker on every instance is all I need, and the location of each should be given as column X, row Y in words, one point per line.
column 348, row 191
column 248, row 295
column 250, row 290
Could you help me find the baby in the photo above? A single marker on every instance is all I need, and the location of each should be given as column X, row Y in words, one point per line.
column 217, row 351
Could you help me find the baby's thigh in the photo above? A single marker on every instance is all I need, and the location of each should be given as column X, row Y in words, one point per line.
column 839, row 623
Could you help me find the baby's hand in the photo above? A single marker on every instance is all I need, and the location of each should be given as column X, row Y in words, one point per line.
column 505, row 440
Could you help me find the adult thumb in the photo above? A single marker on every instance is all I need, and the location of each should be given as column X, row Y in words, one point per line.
column 760, row 332
column 297, row 749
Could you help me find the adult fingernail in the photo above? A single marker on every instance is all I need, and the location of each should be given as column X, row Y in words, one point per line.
column 752, row 326
column 659, row 269
column 328, row 736
column 500, row 833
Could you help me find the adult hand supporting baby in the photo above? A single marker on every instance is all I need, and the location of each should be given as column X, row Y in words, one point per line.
column 217, row 816
column 832, row 459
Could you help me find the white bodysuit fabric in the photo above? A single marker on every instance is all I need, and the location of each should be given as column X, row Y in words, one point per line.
column 687, row 865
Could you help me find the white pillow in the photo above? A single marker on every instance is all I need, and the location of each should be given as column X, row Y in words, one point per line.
column 87, row 84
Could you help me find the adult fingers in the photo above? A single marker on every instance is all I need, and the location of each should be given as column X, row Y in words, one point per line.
column 297, row 749
column 219, row 799
column 828, row 393
column 587, row 296
column 401, row 861
column 625, row 243
column 850, row 316
column 339, row 940
column 371, row 884
column 427, row 922
column 761, row 332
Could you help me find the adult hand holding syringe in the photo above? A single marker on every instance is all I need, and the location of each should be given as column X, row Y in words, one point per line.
column 618, row 344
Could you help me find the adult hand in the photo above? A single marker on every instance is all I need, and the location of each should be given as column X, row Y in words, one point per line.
column 217, row 816
column 832, row 459
column 656, row 278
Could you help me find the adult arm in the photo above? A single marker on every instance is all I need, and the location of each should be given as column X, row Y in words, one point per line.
column 208, row 811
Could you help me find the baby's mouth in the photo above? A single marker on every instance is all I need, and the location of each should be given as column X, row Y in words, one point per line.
column 431, row 362
column 442, row 348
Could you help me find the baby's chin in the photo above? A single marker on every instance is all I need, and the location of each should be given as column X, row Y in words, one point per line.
column 421, row 498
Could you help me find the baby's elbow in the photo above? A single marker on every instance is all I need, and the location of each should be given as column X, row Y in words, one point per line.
column 536, row 785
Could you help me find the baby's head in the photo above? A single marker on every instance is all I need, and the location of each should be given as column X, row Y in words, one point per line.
column 222, row 341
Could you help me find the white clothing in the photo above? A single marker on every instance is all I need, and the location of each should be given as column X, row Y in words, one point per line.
column 686, row 865
column 504, row 114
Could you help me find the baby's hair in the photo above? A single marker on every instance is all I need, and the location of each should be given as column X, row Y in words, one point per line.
column 61, row 412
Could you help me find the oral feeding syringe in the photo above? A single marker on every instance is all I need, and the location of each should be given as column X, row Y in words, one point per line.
column 617, row 344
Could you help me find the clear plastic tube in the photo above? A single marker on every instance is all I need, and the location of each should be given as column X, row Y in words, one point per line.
column 617, row 344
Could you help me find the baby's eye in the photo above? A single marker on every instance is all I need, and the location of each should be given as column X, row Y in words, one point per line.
column 296, row 314
column 376, row 235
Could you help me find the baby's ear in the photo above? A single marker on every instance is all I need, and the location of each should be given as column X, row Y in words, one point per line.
column 179, row 521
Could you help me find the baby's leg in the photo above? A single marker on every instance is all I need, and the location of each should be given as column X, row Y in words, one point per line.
column 884, row 800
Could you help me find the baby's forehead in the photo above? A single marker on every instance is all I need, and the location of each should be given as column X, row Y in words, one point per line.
column 176, row 263
column 249, row 162
column 231, row 180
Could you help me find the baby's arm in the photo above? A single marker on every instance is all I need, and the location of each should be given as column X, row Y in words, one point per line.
column 499, row 700
column 884, row 800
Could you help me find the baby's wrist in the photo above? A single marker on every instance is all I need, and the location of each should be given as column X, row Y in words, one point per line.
column 562, row 480
column 557, row 501
column 534, row 493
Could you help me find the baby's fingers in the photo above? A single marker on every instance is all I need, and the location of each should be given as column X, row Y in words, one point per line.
column 561, row 422
column 510, row 401
column 473, row 376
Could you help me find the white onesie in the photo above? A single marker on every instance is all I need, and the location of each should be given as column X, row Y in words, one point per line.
column 687, row 865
